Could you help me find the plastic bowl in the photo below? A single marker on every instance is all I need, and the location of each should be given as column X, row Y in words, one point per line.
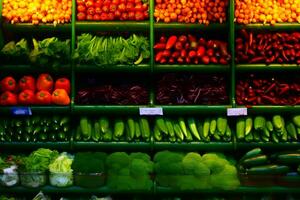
column 61, row 179
column 33, row 179
column 9, row 179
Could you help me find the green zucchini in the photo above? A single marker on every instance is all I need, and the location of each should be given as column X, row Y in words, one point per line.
column 255, row 161
column 268, row 170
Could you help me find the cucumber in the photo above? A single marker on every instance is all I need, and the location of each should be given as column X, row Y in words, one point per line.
column 268, row 170
column 255, row 161
column 288, row 159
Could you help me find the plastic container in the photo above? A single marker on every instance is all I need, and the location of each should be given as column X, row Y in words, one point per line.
column 61, row 179
column 9, row 179
column 33, row 179
column 89, row 180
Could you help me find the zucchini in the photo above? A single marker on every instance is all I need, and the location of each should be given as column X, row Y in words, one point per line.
column 255, row 161
column 288, row 159
column 268, row 170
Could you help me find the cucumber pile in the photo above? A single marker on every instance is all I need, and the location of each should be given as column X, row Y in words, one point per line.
column 118, row 129
column 255, row 162
column 35, row 129
column 192, row 129
column 268, row 129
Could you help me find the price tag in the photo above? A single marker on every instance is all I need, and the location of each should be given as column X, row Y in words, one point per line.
column 237, row 111
column 21, row 111
column 151, row 111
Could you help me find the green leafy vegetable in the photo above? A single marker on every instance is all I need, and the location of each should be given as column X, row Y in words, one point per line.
column 16, row 49
column 89, row 162
column 39, row 160
column 62, row 164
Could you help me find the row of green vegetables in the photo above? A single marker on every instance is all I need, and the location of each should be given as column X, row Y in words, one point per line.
column 137, row 171
column 251, row 47
column 180, row 129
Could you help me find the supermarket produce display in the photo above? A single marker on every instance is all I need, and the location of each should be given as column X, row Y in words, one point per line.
column 126, row 99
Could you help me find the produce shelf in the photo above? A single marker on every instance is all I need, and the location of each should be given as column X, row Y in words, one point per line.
column 34, row 145
column 110, row 109
column 22, row 69
column 160, row 26
column 112, row 26
column 271, row 109
column 267, row 68
column 38, row 109
column 268, row 145
column 113, row 68
column 276, row 27
column 240, row 190
column 192, row 68
column 69, row 190
column 194, row 109
column 112, row 145
column 193, row 146
column 28, row 27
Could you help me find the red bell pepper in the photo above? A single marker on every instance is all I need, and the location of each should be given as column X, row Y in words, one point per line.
column 43, row 97
column 8, row 84
column 63, row 83
column 26, row 97
column 44, row 82
column 171, row 42
column 27, row 83
column 8, row 99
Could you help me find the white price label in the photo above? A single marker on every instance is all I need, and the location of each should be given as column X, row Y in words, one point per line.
column 237, row 111
column 151, row 111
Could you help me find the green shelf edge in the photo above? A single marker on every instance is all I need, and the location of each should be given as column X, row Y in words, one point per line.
column 192, row 146
column 28, row 27
column 267, row 109
column 239, row 190
column 267, row 68
column 112, row 145
column 38, row 109
column 160, row 26
column 268, row 145
column 158, row 190
column 71, row 190
column 34, row 145
column 113, row 68
column 107, row 109
column 194, row 109
column 276, row 27
column 112, row 26
column 192, row 68
column 24, row 69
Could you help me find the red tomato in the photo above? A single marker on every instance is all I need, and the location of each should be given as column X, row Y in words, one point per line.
column 96, row 17
column 137, row 1
column 91, row 11
column 81, row 16
column 89, row 3
column 118, row 14
column 98, row 10
column 116, row 2
column 123, row 1
column 103, row 17
column 81, row 8
column 131, row 15
column 124, row 16
column 113, row 7
column 130, row 1
column 105, row 9
column 145, row 7
column 146, row 14
column 138, row 7
column 122, row 7
column 89, row 17
column 80, row 2
column 111, row 16
column 129, row 6
column 139, row 16
column 98, row 4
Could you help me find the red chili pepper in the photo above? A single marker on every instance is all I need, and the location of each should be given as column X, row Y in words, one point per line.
column 183, row 53
column 251, row 52
column 175, row 54
column 269, row 99
column 250, row 39
column 270, row 88
column 163, row 61
column 171, row 42
column 178, row 45
column 284, row 56
column 192, row 54
column 256, row 83
column 244, row 33
column 159, row 46
column 158, row 56
column 171, row 60
column 200, row 51
column 214, row 60
column 166, row 53
column 284, row 89
column 202, row 41
column 252, row 99
column 182, row 38
column 259, row 100
column 210, row 52
column 180, row 60
column 223, row 61
column 239, row 47
column 223, row 49
column 188, row 60
column 257, row 59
